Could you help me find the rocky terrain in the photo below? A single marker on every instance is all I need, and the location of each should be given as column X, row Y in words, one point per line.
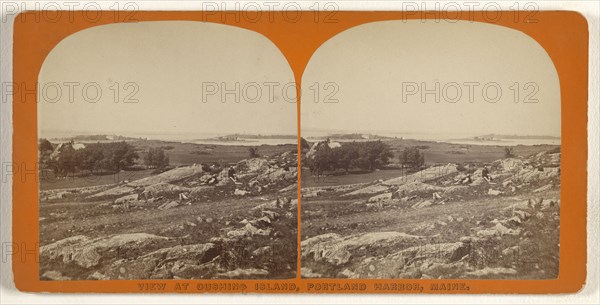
column 188, row 222
column 446, row 221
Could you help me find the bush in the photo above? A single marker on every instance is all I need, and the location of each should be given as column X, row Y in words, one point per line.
column 304, row 145
column 45, row 149
column 156, row 158
column 412, row 157
column 508, row 152
column 363, row 155
column 253, row 152
column 93, row 158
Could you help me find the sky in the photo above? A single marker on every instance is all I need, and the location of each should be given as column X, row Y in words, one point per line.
column 172, row 74
column 378, row 71
column 168, row 77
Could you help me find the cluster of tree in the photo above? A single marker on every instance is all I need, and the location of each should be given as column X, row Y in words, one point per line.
column 156, row 158
column 45, row 149
column 362, row 155
column 93, row 158
column 304, row 145
column 412, row 157
column 253, row 152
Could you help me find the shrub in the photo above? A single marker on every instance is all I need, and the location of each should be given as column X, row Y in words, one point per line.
column 253, row 152
column 156, row 158
column 369, row 155
column 412, row 157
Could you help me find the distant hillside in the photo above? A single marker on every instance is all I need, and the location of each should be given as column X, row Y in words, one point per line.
column 513, row 137
column 260, row 136
column 495, row 137
column 97, row 138
column 246, row 137
column 353, row 136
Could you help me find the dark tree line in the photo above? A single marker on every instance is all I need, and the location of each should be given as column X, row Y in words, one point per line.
column 93, row 158
column 156, row 158
column 412, row 157
column 369, row 155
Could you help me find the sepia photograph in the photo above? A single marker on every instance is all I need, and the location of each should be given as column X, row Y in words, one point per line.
column 308, row 151
column 167, row 150
column 435, row 154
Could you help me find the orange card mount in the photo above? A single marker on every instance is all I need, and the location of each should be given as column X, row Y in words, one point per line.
column 144, row 184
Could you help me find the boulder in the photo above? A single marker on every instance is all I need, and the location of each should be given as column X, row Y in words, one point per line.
column 422, row 204
column 98, row 276
column 115, row 192
column 201, row 190
column 174, row 175
column 266, row 250
column 127, row 198
column 163, row 189
column 244, row 273
column 291, row 187
column 253, row 165
column 369, row 190
column 184, row 261
column 442, row 252
column 432, row 173
column 309, row 273
column 270, row 214
column 535, row 175
column 381, row 197
column 85, row 252
column 248, row 230
column 277, row 174
column 417, row 187
column 543, row 188
column 168, row 205
column 493, row 192
column 509, row 165
column 239, row 192
column 55, row 276
column 489, row 271
column 441, row 258
column 337, row 250
column 498, row 230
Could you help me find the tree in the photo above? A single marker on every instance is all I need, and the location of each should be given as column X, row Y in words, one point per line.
column 412, row 157
column 378, row 154
column 253, row 152
column 364, row 155
column 66, row 162
column 120, row 156
column 45, row 146
column 156, row 158
column 45, row 149
column 90, row 158
column 304, row 145
column 321, row 160
column 343, row 156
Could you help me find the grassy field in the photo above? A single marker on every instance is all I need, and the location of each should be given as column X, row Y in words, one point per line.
column 351, row 178
column 248, row 226
column 441, row 153
column 342, row 227
column 190, row 153
column 435, row 153
column 449, row 223
column 180, row 154
column 185, row 225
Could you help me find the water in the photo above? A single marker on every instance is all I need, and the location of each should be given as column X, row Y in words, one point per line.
column 196, row 138
column 465, row 139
